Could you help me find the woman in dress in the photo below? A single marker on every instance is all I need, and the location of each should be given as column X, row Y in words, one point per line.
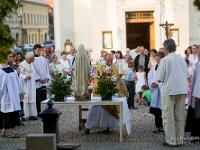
column 56, row 67
column 127, row 59
column 152, row 60
column 66, row 63
column 52, row 50
column 119, row 60
column 44, row 54
column 19, row 58
column 188, row 51
column 193, row 58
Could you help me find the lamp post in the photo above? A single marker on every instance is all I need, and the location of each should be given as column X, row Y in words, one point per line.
column 20, row 16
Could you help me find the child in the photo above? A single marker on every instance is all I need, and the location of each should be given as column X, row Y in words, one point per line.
column 188, row 94
column 16, row 67
column 146, row 95
column 130, row 78
column 141, row 80
column 155, row 88
column 190, row 69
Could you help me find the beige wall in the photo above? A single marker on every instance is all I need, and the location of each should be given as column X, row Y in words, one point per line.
column 36, row 22
column 87, row 20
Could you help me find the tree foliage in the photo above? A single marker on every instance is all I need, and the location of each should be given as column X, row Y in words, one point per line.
column 197, row 3
column 7, row 7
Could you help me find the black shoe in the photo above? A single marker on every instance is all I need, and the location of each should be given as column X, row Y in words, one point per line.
column 23, row 119
column 87, row 131
column 105, row 131
column 156, row 130
column 168, row 145
column 161, row 130
column 33, row 118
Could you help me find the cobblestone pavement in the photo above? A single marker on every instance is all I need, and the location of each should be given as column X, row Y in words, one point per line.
column 141, row 138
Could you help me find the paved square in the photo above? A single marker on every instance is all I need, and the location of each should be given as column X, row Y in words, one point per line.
column 141, row 138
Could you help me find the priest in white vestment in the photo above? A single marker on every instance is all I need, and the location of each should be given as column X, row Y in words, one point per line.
column 97, row 115
column 28, row 74
column 42, row 76
column 9, row 101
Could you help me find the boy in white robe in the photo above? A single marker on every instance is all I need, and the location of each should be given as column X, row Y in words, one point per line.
column 42, row 76
column 28, row 73
column 155, row 88
column 9, row 100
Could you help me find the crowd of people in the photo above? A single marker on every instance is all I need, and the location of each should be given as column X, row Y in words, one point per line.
column 160, row 79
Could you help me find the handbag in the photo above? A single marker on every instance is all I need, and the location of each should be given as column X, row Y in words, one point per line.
column 197, row 110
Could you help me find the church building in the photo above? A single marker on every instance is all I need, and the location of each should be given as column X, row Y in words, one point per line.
column 121, row 24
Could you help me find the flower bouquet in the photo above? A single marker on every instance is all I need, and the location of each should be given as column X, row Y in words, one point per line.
column 60, row 87
column 107, row 84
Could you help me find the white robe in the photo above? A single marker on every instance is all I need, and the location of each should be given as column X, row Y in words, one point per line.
column 99, row 117
column 9, row 92
column 30, row 86
column 41, row 71
column 156, row 92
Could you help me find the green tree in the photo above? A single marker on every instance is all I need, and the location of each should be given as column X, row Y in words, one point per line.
column 7, row 7
column 197, row 3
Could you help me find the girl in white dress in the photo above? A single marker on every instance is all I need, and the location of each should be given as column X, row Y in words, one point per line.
column 141, row 80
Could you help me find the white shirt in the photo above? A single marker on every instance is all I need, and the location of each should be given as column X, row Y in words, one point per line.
column 41, row 71
column 9, row 92
column 124, row 68
column 0, row 67
column 66, row 63
column 133, row 53
column 190, row 70
column 193, row 60
column 172, row 70
column 28, row 70
column 98, row 59
column 71, row 58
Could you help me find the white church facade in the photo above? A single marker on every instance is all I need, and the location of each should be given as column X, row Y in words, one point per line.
column 121, row 24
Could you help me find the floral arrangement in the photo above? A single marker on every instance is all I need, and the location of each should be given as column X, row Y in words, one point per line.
column 107, row 83
column 60, row 86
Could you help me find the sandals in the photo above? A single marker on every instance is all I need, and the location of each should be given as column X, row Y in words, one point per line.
column 3, row 134
column 16, row 135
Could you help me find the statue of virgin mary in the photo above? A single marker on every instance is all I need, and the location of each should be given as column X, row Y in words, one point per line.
column 82, row 74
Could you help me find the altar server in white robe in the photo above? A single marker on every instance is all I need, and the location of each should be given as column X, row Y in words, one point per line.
column 42, row 76
column 9, row 101
column 98, row 116
column 28, row 74
column 155, row 88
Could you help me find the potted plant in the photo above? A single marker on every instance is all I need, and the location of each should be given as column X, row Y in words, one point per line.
column 107, row 85
column 59, row 87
